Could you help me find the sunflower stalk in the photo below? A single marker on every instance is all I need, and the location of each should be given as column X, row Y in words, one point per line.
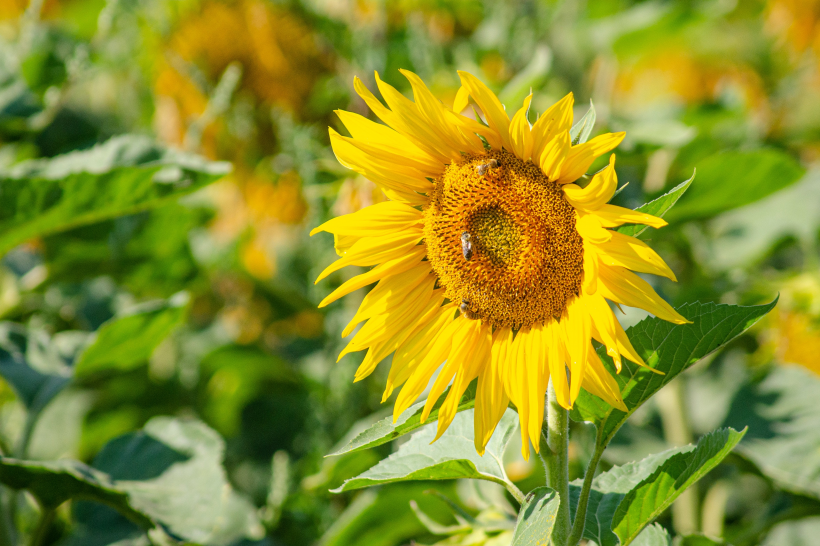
column 556, row 428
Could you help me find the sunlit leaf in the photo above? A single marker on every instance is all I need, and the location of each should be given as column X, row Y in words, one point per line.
column 657, row 207
column 669, row 348
column 452, row 456
column 653, row 495
column 653, row 535
column 385, row 430
column 579, row 133
column 732, row 179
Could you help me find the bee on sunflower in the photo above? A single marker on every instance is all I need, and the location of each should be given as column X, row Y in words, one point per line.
column 492, row 262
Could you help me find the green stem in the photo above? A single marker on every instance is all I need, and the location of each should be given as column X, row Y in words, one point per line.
column 557, row 429
column 43, row 526
column 583, row 500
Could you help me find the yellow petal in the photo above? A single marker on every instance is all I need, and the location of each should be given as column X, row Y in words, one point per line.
column 625, row 251
column 418, row 380
column 413, row 122
column 557, row 359
column 605, row 327
column 492, row 108
column 389, row 140
column 622, row 286
column 537, row 375
column 579, row 337
column 397, row 122
column 437, row 117
column 462, row 100
column 491, row 399
column 473, row 365
column 590, row 285
column 381, row 271
column 599, row 382
column 415, row 348
column 515, row 384
column 388, row 293
column 376, row 219
column 374, row 250
column 580, row 157
column 598, row 192
column 556, row 120
column 590, row 229
column 520, row 137
column 554, row 155
column 614, row 216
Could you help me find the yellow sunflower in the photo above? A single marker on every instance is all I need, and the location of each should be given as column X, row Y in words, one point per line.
column 489, row 258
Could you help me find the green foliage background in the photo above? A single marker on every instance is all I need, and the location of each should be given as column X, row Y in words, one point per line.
column 168, row 376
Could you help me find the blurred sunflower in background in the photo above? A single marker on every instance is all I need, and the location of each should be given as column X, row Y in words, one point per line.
column 493, row 255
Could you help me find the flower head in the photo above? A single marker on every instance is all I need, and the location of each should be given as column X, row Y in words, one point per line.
column 489, row 259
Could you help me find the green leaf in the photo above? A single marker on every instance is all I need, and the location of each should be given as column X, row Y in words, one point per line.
column 452, row 456
column 731, row 179
column 784, row 428
column 54, row 482
column 124, row 343
column 170, row 473
column 657, row 207
column 34, row 389
column 126, row 174
column 653, row 495
column 536, row 518
column 579, row 133
column 653, row 535
column 385, row 430
column 669, row 348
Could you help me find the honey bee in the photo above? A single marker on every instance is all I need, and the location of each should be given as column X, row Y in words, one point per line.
column 465, row 310
column 467, row 245
column 482, row 169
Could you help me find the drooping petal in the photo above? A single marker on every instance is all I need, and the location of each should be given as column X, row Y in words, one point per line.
column 580, row 157
column 557, row 359
column 597, row 193
column 622, row 286
column 589, row 227
column 578, row 335
column 631, row 253
column 590, row 285
column 473, row 365
column 556, row 120
column 537, row 379
column 493, row 110
column 599, row 382
column 605, row 326
column 410, row 353
column 520, row 137
column 491, row 399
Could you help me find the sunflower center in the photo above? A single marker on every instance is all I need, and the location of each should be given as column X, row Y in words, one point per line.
column 502, row 240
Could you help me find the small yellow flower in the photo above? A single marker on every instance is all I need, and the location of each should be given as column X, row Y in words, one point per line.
column 489, row 259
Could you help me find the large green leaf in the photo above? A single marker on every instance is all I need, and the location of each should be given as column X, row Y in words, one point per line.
column 452, row 456
column 626, row 498
column 54, row 482
column 784, row 428
column 126, row 342
column 729, row 180
column 536, row 518
column 658, row 207
column 669, row 348
column 170, row 473
column 124, row 175
column 385, row 430
column 656, row 493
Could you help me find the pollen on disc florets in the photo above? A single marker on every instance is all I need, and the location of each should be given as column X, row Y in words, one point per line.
column 523, row 258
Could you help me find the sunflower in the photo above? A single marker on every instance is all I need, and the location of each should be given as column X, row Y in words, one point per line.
column 491, row 258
